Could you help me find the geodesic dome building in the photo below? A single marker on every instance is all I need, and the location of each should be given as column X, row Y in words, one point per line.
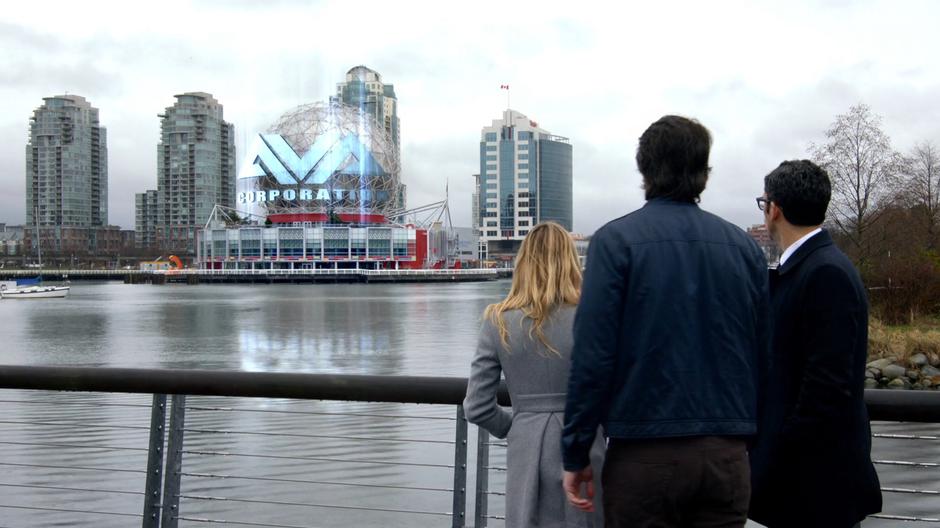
column 324, row 159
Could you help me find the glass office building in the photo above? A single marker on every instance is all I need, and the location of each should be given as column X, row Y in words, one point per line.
column 525, row 178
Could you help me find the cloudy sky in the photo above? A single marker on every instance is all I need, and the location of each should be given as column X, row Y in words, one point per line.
column 766, row 78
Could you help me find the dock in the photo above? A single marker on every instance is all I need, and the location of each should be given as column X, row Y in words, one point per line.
column 264, row 276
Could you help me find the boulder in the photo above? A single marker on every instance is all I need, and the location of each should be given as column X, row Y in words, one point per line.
column 929, row 371
column 893, row 371
column 934, row 359
column 881, row 363
column 897, row 383
column 918, row 360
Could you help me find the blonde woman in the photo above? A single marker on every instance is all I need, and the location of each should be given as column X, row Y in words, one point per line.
column 528, row 337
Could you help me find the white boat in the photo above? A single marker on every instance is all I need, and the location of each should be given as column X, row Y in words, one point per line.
column 35, row 292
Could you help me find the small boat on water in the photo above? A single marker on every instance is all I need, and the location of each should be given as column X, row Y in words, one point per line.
column 35, row 292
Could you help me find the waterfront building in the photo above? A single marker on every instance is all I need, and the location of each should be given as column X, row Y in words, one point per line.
column 195, row 172
column 66, row 176
column 475, row 204
column 525, row 178
column 321, row 188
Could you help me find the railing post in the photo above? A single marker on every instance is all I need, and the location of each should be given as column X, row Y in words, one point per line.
column 483, row 478
column 174, row 463
column 460, row 471
column 152, row 487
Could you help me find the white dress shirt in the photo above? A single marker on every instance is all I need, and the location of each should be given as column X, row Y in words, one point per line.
column 796, row 245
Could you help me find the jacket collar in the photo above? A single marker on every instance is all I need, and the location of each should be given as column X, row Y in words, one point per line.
column 667, row 201
column 815, row 242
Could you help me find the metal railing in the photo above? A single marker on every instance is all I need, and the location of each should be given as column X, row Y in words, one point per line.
column 173, row 449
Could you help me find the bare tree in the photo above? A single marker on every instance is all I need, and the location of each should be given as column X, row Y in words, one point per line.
column 922, row 167
column 863, row 168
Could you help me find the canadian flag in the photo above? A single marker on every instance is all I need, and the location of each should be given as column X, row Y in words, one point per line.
column 504, row 87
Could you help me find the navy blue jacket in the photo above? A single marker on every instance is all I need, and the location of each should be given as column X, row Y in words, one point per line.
column 811, row 465
column 671, row 333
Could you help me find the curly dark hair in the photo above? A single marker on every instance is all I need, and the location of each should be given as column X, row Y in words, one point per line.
column 801, row 189
column 673, row 158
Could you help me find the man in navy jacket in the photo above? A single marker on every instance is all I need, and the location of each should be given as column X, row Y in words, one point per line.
column 670, row 348
column 811, row 466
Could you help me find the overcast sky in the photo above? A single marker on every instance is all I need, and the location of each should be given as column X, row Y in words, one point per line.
column 765, row 78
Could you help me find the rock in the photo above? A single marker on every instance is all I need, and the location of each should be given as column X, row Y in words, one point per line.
column 896, row 383
column 934, row 359
column 917, row 386
column 871, row 373
column 871, row 383
column 881, row 363
column 912, row 374
column 929, row 371
column 934, row 381
column 918, row 360
column 893, row 371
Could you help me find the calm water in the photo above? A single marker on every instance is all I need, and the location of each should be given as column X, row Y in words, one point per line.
column 264, row 462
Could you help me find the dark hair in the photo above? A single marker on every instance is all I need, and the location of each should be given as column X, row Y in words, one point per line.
column 673, row 158
column 801, row 189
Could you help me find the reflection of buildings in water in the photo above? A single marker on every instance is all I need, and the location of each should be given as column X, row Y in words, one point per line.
column 67, row 336
column 347, row 333
column 195, row 333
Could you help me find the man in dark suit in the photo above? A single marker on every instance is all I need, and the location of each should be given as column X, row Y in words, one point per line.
column 811, row 465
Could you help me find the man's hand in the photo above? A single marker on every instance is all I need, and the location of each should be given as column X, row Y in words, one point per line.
column 572, row 484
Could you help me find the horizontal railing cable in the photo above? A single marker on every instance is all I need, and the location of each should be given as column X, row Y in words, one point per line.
column 240, row 523
column 65, row 488
column 317, row 482
column 77, row 468
column 69, row 510
column 83, row 425
column 311, row 505
column 908, row 518
column 329, row 437
column 316, row 459
column 74, row 446
column 317, row 413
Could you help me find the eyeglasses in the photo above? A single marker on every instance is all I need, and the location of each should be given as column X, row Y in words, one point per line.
column 762, row 203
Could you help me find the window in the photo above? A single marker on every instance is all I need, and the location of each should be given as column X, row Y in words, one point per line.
column 523, row 185
column 492, row 196
column 489, row 136
column 523, row 165
column 491, row 167
column 491, row 148
column 523, row 146
column 491, row 157
column 491, row 233
column 523, row 204
column 523, row 156
column 525, row 135
column 523, row 232
column 491, row 223
column 490, row 185
column 523, row 223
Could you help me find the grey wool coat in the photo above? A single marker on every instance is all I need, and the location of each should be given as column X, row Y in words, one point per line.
column 537, row 380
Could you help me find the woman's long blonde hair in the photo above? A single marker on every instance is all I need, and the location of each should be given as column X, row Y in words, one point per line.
column 547, row 275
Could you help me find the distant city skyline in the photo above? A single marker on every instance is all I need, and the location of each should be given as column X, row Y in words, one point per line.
column 767, row 80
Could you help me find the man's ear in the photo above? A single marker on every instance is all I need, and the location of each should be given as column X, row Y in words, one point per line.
column 776, row 213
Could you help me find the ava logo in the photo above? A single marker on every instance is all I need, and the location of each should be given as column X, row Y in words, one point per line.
column 270, row 155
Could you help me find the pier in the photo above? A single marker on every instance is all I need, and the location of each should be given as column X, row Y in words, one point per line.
column 265, row 276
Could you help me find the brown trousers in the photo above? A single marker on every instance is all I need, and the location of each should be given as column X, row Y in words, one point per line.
column 690, row 482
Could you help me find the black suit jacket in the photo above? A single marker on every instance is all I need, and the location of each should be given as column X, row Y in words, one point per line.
column 811, row 464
